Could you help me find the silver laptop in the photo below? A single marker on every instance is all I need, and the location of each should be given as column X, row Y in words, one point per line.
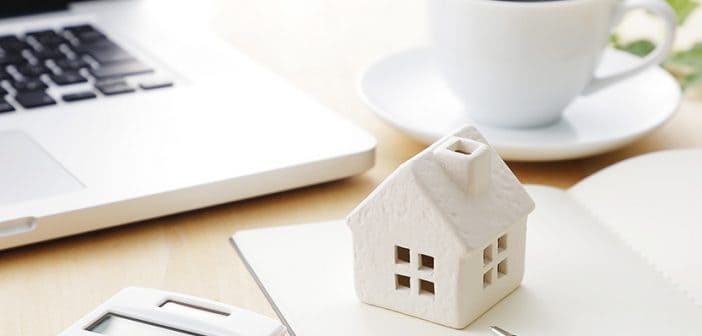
column 119, row 111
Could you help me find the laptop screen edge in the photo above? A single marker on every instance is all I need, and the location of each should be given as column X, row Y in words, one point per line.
column 12, row 8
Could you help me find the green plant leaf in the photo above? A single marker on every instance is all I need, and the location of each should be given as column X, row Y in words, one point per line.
column 687, row 65
column 683, row 8
column 639, row 47
column 691, row 57
column 691, row 81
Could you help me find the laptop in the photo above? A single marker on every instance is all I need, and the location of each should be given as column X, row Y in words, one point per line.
column 118, row 111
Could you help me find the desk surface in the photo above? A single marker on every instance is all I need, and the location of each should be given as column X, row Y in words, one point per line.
column 320, row 46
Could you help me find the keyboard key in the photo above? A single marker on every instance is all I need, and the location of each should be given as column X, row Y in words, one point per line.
column 121, row 70
column 68, row 78
column 79, row 28
column 48, row 53
column 29, row 85
column 10, row 58
column 68, row 64
column 4, row 75
column 5, row 106
column 10, row 43
column 90, row 37
column 114, row 87
column 155, row 84
column 108, row 53
column 34, row 99
column 64, row 56
column 71, row 97
column 32, row 70
column 47, row 38
column 86, row 34
column 95, row 45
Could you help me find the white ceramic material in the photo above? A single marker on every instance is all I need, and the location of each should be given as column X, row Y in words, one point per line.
column 408, row 92
column 443, row 237
column 519, row 64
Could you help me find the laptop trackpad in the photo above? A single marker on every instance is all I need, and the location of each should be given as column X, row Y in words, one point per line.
column 28, row 172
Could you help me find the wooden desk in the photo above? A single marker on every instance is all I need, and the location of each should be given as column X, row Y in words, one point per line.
column 321, row 46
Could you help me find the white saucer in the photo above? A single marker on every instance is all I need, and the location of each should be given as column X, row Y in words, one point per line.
column 407, row 91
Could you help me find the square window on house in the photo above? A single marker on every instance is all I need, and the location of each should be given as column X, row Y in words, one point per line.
column 426, row 262
column 426, row 287
column 487, row 255
column 502, row 268
column 402, row 255
column 487, row 278
column 402, row 281
column 502, row 243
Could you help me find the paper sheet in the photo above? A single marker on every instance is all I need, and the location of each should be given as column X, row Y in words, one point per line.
column 581, row 280
column 654, row 203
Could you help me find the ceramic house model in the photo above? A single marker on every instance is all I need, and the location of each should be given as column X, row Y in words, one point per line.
column 443, row 237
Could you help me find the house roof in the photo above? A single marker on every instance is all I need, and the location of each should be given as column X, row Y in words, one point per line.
column 475, row 217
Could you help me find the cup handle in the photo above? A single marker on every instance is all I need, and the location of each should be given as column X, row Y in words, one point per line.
column 665, row 12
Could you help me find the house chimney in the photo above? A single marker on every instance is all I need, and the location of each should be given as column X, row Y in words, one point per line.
column 467, row 162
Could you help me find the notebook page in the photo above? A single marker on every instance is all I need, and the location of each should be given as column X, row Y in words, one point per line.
column 580, row 281
column 654, row 203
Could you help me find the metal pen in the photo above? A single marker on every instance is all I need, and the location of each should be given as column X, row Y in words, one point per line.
column 501, row 332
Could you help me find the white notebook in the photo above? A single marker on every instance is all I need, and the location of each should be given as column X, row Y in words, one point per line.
column 618, row 254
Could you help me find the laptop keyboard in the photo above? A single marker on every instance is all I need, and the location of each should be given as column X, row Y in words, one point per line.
column 80, row 60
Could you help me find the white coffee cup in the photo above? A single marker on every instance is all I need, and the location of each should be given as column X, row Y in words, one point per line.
column 519, row 64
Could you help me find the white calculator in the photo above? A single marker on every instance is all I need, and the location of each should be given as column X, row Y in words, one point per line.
column 150, row 312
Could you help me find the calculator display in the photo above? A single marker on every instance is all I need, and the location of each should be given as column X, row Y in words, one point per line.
column 115, row 325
